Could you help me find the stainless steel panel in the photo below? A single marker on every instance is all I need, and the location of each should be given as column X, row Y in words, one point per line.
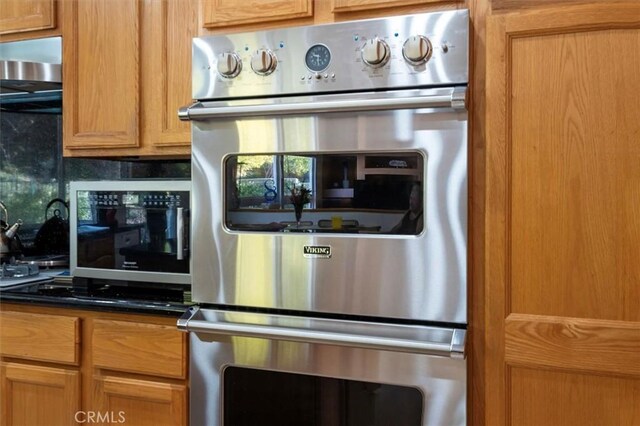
column 419, row 277
column 442, row 381
column 448, row 32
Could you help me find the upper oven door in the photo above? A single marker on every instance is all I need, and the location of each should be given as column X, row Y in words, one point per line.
column 383, row 230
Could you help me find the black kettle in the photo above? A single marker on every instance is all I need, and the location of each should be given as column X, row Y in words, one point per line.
column 53, row 235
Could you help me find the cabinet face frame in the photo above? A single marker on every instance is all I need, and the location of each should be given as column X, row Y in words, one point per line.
column 517, row 340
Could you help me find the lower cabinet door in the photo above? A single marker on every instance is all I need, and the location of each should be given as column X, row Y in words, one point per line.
column 35, row 395
column 139, row 402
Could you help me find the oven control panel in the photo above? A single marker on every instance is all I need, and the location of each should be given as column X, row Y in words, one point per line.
column 422, row 50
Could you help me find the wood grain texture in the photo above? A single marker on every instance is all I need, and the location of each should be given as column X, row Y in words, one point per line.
column 479, row 10
column 34, row 395
column 541, row 397
column 42, row 337
column 587, row 345
column 101, row 74
column 216, row 13
column 495, row 271
column 18, row 16
column 167, row 33
column 142, row 402
column 139, row 348
column 575, row 175
column 340, row 6
column 86, row 367
column 516, row 5
column 561, row 195
column 323, row 13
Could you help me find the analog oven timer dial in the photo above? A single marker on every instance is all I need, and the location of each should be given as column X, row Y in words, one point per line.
column 317, row 58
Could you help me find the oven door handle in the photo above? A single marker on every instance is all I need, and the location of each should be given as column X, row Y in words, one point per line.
column 452, row 98
column 454, row 348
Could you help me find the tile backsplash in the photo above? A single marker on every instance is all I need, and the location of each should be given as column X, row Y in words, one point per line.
column 33, row 171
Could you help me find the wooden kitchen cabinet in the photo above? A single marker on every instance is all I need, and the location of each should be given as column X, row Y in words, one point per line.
column 22, row 19
column 359, row 5
column 37, row 395
column 218, row 13
column 223, row 16
column 127, row 71
column 141, row 402
column 57, row 362
column 561, row 320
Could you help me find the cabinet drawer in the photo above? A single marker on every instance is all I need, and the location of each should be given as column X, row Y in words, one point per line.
column 157, row 350
column 40, row 337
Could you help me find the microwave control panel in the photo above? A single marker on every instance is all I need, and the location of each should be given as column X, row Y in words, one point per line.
column 138, row 199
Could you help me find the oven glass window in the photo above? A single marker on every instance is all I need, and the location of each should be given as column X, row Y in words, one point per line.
column 352, row 193
column 258, row 397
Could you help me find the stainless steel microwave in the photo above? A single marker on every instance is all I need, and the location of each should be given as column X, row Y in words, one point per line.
column 131, row 230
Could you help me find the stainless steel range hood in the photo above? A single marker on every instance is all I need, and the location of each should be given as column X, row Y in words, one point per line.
column 31, row 76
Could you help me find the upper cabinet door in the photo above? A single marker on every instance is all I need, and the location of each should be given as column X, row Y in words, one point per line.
column 218, row 13
column 357, row 5
column 18, row 16
column 168, row 31
column 101, row 74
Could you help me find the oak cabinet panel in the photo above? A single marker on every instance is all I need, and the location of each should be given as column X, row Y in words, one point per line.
column 139, row 348
column 18, row 16
column 542, row 397
column 127, row 71
column 35, row 395
column 134, row 364
column 141, row 402
column 101, row 74
column 167, row 74
column 356, row 5
column 562, row 233
column 218, row 13
column 42, row 337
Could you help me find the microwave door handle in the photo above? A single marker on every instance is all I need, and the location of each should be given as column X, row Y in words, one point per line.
column 180, row 233
column 453, row 98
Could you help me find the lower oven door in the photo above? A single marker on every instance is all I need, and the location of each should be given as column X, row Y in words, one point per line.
column 262, row 369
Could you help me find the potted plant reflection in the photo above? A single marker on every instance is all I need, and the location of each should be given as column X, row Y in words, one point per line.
column 300, row 195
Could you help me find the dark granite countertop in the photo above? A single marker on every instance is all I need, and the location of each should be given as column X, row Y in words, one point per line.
column 104, row 298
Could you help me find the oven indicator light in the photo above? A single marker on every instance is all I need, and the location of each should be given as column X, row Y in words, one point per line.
column 317, row 252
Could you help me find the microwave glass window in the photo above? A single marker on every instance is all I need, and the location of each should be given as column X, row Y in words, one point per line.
column 132, row 231
column 348, row 193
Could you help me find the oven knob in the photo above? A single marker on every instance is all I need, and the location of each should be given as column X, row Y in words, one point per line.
column 417, row 50
column 375, row 53
column 229, row 65
column 264, row 62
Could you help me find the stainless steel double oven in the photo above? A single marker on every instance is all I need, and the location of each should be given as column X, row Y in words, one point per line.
column 329, row 224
